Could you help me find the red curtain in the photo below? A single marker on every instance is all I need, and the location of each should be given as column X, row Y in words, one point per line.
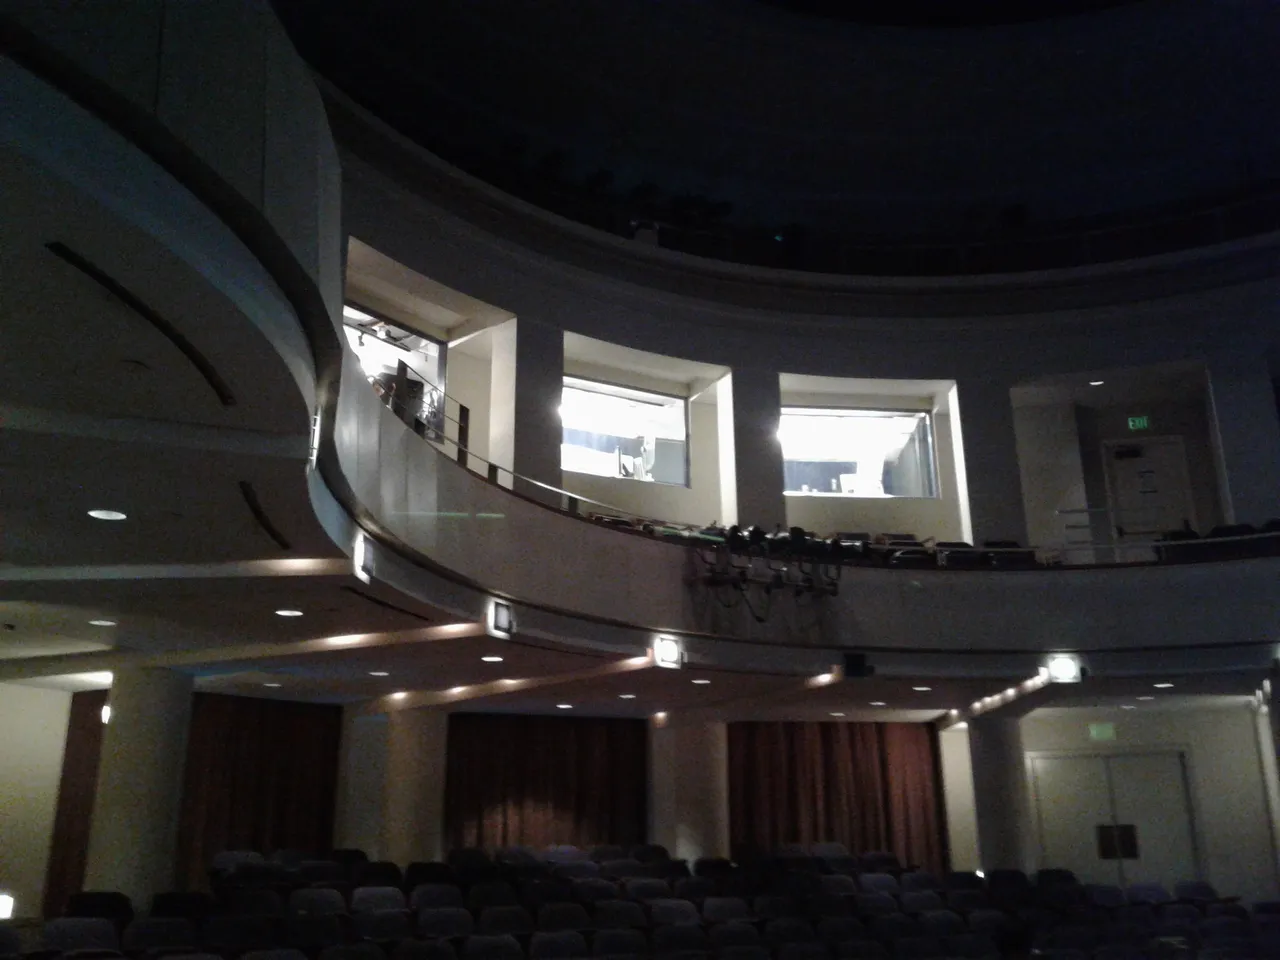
column 540, row 780
column 260, row 775
column 65, row 873
column 870, row 786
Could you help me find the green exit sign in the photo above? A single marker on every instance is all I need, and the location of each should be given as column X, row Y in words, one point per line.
column 1140, row 423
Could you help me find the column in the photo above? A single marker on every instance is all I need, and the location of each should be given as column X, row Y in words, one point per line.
column 1001, row 800
column 748, row 404
column 1246, row 435
column 413, row 809
column 1265, row 725
column 689, row 788
column 526, row 380
column 956, row 763
column 361, row 794
column 134, row 830
column 985, row 429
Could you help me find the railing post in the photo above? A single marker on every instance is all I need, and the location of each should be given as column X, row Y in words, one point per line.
column 493, row 473
column 464, row 434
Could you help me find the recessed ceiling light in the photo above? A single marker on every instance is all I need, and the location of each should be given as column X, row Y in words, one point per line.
column 457, row 689
column 288, row 613
column 379, row 673
column 1096, row 383
column 878, row 703
column 107, row 515
column 837, row 714
column 272, row 684
column 493, row 659
column 922, row 689
column 1162, row 686
column 700, row 682
column 102, row 623
column 626, row 696
column 399, row 695
column 1127, row 706
column 564, row 706
column 1146, row 698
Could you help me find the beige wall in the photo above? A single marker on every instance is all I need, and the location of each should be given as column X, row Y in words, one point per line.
column 1049, row 463
column 689, row 788
column 361, row 783
column 1229, row 795
column 958, row 799
column 34, row 725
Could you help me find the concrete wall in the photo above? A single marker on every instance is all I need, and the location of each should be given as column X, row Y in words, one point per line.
column 467, row 382
column 1228, row 793
column 1052, row 475
column 34, row 725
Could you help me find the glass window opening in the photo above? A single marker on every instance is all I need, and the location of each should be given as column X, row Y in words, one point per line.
column 623, row 433
column 382, row 346
column 857, row 453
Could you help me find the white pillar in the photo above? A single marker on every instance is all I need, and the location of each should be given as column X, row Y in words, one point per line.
column 689, row 788
column 413, row 810
column 1265, row 724
column 134, row 831
column 958, row 798
column 990, row 470
column 749, row 403
column 525, row 385
column 1246, row 434
column 1001, row 800
column 361, row 793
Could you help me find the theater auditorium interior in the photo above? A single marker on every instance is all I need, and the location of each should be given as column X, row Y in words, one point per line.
column 639, row 480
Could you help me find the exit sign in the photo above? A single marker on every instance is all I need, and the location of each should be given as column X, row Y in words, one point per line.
column 1140, row 423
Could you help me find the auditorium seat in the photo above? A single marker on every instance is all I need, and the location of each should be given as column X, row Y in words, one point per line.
column 558, row 945
column 668, row 910
column 941, row 923
column 590, row 890
column 492, row 947
column 725, row 909
column 492, row 893
column 774, row 907
column 376, row 899
column 496, row 921
column 744, row 951
column 349, row 860
column 695, row 889
column 576, row 870
column 386, row 926
column 379, row 873
column 311, row 934
column 1152, row 893
column 256, row 901
column 918, row 948
column 615, row 914
column 155, row 934
column 233, row 934
column 1106, row 895
column 839, row 883
column 919, row 881
column 647, row 888
column 921, row 901
column 352, row 951
column 227, row 861
column 734, row 933
column 713, row 867
column 564, row 853
column 554, row 917
column 1069, row 937
column 316, row 901
column 1225, row 928
column 862, row 950
column 879, row 861
column 875, row 904
column 1180, row 913
column 423, row 950
column 798, row 950
column 606, row 852
column 966, row 901
column 625, row 869
column 191, row 905
column 964, row 880
column 788, row 930
column 988, row 921
column 428, row 871
column 11, row 942
column 620, row 944
column 972, row 946
column 436, row 895
column 445, row 922
column 829, row 905
column 680, row 942
column 1196, row 891
column 893, row 926
column 313, row 872
column 878, row 883
column 536, row 892
column 105, row 904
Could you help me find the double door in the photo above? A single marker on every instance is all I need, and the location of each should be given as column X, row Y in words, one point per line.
column 1116, row 818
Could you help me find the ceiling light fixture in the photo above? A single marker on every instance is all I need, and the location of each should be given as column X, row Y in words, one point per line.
column 1127, row 706
column 626, row 696
column 379, row 673
column 272, row 684
column 835, row 714
column 108, row 515
column 1096, row 383
column 667, row 651
column 702, row 682
column 564, row 706
column 1064, row 669
column 922, row 689
column 492, row 659
column 878, row 703
column 102, row 623
column 1162, row 686
column 288, row 613
column 457, row 689
column 399, row 695
column 1147, row 698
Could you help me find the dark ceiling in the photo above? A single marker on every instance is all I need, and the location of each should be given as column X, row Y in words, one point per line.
column 943, row 13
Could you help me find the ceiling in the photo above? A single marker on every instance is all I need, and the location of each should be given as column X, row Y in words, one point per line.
column 1169, row 382
column 941, row 13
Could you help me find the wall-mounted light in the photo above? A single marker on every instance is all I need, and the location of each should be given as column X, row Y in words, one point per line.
column 315, row 439
column 500, row 620
column 6, row 906
column 668, row 652
column 1064, row 669
column 360, row 558
column 106, row 713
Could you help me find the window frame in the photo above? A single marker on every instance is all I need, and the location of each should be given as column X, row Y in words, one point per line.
column 852, row 411
column 611, row 385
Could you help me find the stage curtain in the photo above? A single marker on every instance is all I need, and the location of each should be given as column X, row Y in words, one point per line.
column 531, row 780
column 65, row 873
column 870, row 786
column 260, row 775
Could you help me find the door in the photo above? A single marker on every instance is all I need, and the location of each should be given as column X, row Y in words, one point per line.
column 1115, row 818
column 1149, row 793
column 1072, row 799
column 1148, row 491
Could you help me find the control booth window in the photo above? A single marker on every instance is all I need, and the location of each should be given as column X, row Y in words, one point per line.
column 857, row 453
column 382, row 346
column 614, row 431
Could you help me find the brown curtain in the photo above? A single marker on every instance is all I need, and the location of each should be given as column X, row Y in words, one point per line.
column 870, row 786
column 539, row 780
column 65, row 873
column 260, row 775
